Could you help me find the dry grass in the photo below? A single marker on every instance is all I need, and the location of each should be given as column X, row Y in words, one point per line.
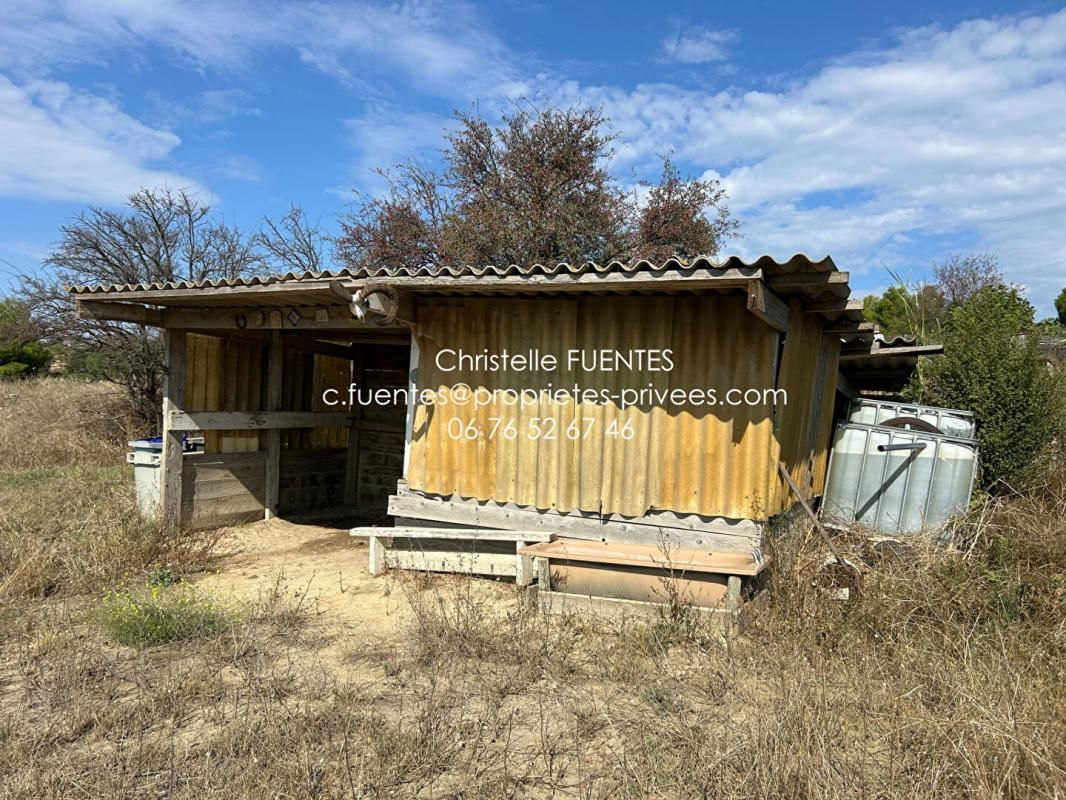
column 67, row 517
column 53, row 422
column 944, row 678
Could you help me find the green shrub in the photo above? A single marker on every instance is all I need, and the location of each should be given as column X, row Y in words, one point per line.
column 14, row 369
column 991, row 369
column 22, row 360
column 158, row 615
column 21, row 354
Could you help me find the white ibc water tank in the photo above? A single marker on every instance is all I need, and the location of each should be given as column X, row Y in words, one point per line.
column 893, row 480
column 949, row 421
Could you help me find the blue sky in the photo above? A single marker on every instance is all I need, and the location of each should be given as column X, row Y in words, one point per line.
column 889, row 135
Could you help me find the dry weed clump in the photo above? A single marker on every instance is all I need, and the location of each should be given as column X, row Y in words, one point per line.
column 451, row 622
column 56, row 422
column 76, row 530
column 943, row 677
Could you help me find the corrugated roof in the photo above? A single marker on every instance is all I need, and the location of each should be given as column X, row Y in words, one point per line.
column 798, row 263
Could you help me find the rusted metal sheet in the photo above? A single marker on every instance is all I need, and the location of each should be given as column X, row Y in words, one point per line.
column 703, row 590
column 672, row 559
column 685, row 457
column 808, row 372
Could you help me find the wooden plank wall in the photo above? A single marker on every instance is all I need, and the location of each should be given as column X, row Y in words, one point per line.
column 714, row 461
column 227, row 482
column 311, row 479
column 380, row 458
column 222, row 488
column 225, row 375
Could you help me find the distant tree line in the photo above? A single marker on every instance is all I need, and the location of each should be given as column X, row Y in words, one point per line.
column 992, row 364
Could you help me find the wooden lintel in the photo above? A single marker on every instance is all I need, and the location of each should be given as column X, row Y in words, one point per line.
column 267, row 420
column 311, row 345
column 118, row 312
column 290, row 319
column 767, row 306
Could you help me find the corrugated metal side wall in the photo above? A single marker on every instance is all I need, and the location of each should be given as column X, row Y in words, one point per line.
column 686, row 458
column 809, row 366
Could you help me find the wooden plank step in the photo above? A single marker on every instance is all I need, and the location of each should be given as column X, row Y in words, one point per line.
column 635, row 555
column 613, row 609
column 450, row 561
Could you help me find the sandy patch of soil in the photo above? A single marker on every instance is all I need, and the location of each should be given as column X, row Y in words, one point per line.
column 327, row 565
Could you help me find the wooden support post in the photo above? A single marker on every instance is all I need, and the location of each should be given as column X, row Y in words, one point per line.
column 768, row 307
column 412, row 390
column 376, row 558
column 543, row 570
column 275, row 364
column 173, row 399
column 523, row 566
column 732, row 593
column 351, row 467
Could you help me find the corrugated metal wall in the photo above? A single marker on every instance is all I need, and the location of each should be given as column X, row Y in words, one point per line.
column 809, row 367
column 685, row 458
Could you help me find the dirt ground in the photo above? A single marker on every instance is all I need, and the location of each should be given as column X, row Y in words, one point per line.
column 327, row 567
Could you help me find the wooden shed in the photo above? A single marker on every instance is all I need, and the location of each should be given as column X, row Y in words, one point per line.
column 654, row 464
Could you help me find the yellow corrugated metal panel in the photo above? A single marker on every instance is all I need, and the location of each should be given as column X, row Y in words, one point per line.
column 686, row 458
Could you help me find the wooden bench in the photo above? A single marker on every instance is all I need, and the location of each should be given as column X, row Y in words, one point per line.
column 473, row 551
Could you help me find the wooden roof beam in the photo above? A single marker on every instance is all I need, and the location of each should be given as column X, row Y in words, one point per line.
column 834, row 309
column 768, row 307
column 118, row 312
column 813, row 284
column 297, row 318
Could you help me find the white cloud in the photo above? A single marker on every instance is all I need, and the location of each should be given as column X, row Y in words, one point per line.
column 62, row 144
column 947, row 133
column 68, row 144
column 438, row 47
column 692, row 44
column 385, row 136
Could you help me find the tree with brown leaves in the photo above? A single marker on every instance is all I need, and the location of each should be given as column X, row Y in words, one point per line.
column 677, row 221
column 161, row 235
column 534, row 190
